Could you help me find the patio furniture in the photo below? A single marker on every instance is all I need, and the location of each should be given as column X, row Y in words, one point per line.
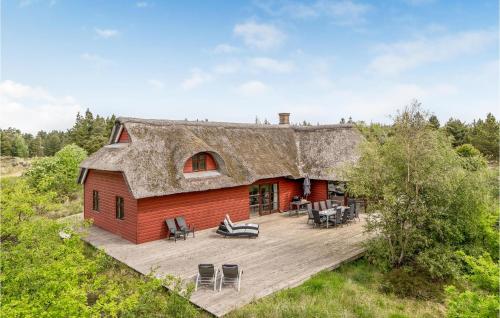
column 230, row 274
column 318, row 219
column 329, row 204
column 173, row 231
column 227, row 231
column 309, row 213
column 183, row 226
column 338, row 216
column 345, row 214
column 322, row 205
column 242, row 225
column 316, row 206
column 329, row 215
column 207, row 275
column 355, row 211
column 299, row 205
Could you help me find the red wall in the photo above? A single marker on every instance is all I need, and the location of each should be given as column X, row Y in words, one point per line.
column 145, row 218
column 124, row 136
column 210, row 162
column 110, row 185
column 319, row 190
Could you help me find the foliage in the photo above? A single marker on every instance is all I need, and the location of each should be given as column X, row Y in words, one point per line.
column 472, row 159
column 422, row 203
column 457, row 130
column 43, row 275
column 57, row 174
column 374, row 132
column 88, row 132
column 434, row 122
column 481, row 299
column 484, row 136
column 354, row 290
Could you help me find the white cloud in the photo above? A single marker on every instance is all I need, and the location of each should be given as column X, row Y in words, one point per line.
column 229, row 67
column 197, row 78
column 259, row 36
column 157, row 84
column 224, row 49
column 401, row 56
column 252, row 88
column 33, row 108
column 142, row 4
column 271, row 65
column 106, row 33
column 96, row 60
column 343, row 12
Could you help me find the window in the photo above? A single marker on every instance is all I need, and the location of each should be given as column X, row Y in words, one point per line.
column 120, row 209
column 95, row 200
column 263, row 198
column 199, row 162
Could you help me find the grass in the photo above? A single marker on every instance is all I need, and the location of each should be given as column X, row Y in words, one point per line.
column 353, row 290
column 13, row 166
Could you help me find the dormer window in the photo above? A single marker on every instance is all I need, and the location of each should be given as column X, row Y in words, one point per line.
column 199, row 162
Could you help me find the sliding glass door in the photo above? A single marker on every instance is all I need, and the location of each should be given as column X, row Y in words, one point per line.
column 263, row 198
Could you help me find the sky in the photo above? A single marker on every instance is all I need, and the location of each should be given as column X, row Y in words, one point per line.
column 237, row 60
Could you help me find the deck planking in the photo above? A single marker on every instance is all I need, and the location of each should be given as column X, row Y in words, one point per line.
column 287, row 252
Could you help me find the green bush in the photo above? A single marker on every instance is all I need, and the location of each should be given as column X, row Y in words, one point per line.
column 57, row 174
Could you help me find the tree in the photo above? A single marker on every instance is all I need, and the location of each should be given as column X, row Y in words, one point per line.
column 19, row 147
column 57, row 174
column 434, row 122
column 423, row 204
column 91, row 133
column 484, row 136
column 457, row 130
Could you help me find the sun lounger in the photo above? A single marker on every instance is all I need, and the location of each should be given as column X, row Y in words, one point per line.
column 231, row 274
column 207, row 275
column 226, row 230
column 173, row 231
column 242, row 225
column 183, row 226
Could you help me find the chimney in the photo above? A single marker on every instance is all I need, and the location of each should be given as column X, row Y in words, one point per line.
column 284, row 118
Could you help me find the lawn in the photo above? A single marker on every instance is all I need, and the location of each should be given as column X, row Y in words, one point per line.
column 350, row 291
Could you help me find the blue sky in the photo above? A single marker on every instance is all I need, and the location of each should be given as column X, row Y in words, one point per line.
column 235, row 60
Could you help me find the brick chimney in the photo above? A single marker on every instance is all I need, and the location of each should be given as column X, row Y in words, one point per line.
column 284, row 118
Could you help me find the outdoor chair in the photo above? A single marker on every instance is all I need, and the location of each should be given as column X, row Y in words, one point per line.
column 173, row 231
column 251, row 226
column 230, row 274
column 309, row 213
column 318, row 219
column 322, row 205
column 207, row 275
column 183, row 226
column 316, row 206
column 226, row 230
column 338, row 216
column 345, row 215
column 329, row 204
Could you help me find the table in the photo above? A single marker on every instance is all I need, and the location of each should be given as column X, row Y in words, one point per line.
column 299, row 204
column 330, row 212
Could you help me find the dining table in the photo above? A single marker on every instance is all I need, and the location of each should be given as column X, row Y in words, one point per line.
column 299, row 205
column 329, row 212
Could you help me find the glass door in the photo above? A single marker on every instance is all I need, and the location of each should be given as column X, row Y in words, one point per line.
column 263, row 198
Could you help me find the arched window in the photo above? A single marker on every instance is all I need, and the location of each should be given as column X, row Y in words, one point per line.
column 201, row 161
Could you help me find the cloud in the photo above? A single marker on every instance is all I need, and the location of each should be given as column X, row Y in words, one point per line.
column 402, row 56
column 344, row 12
column 229, row 67
column 157, row 84
column 224, row 49
column 271, row 65
column 197, row 78
column 106, row 33
column 33, row 108
column 259, row 36
column 96, row 60
column 142, row 4
column 252, row 88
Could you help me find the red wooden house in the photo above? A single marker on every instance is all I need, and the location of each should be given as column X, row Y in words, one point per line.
column 157, row 169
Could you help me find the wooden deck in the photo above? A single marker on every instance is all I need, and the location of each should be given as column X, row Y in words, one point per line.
column 287, row 252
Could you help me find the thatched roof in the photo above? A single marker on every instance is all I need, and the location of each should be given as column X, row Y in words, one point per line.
column 153, row 161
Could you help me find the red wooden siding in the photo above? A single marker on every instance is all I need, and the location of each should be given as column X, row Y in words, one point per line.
column 209, row 161
column 124, row 136
column 110, row 185
column 319, row 190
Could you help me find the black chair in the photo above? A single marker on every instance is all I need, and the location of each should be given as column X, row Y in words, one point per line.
column 183, row 226
column 338, row 216
column 318, row 219
column 230, row 274
column 173, row 231
column 345, row 215
column 207, row 275
column 309, row 213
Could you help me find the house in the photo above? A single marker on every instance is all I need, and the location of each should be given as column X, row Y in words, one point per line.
column 157, row 169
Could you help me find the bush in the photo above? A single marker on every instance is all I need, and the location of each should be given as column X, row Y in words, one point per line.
column 57, row 174
column 407, row 282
